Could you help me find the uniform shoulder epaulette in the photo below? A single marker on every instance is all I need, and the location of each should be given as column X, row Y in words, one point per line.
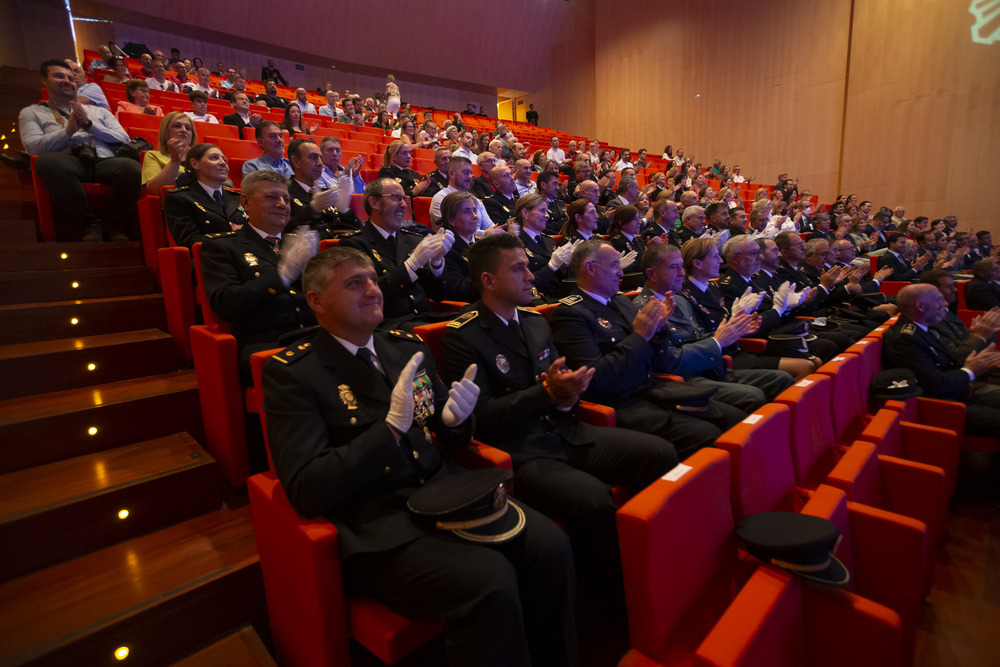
column 180, row 188
column 229, row 189
column 344, row 235
column 409, row 230
column 403, row 334
column 908, row 329
column 529, row 311
column 220, row 235
column 571, row 300
column 463, row 319
column 293, row 353
column 726, row 279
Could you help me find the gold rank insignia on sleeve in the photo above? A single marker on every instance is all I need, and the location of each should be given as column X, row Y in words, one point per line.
column 378, row 258
column 297, row 202
column 528, row 253
column 908, row 329
column 200, row 207
column 463, row 319
column 250, row 258
column 571, row 300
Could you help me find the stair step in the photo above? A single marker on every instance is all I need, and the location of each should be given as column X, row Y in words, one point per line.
column 16, row 257
column 42, row 286
column 156, row 595
column 242, row 648
column 53, row 365
column 20, row 323
column 35, row 430
column 64, row 509
column 20, row 230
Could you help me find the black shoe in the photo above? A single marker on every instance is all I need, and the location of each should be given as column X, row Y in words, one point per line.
column 95, row 234
column 22, row 162
column 117, row 237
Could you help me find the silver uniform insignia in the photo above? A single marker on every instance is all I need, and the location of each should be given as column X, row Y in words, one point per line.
column 502, row 364
column 908, row 329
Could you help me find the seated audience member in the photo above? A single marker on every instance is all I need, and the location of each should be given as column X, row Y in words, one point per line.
column 984, row 243
column 692, row 224
column 199, row 104
column 464, row 149
column 239, row 86
column 909, row 344
column 581, row 221
column 428, row 135
column 893, row 258
column 410, row 266
column 460, row 216
column 270, row 96
column 272, row 74
column 662, row 224
column 383, row 120
column 162, row 167
column 459, row 180
column 230, row 75
column 106, row 60
column 481, row 186
column 396, row 165
column 598, row 327
column 738, row 221
column 697, row 353
column 439, row 177
column 583, row 170
column 876, row 229
column 302, row 99
column 72, row 141
column 959, row 339
column 548, row 186
column 293, row 123
column 202, row 84
column 137, row 94
column 145, row 65
column 624, row 160
column 624, row 236
column 522, row 178
column 252, row 274
column 242, row 115
column 509, row 603
column 203, row 207
column 626, row 194
column 555, row 153
column 561, row 465
column 326, row 211
column 121, row 72
column 982, row 292
column 332, row 108
column 500, row 206
column 346, row 114
column 548, row 264
column 180, row 75
column 272, row 145
column 334, row 172
column 87, row 93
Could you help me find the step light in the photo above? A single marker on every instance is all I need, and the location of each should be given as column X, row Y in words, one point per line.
column 63, row 256
column 91, row 367
column 74, row 321
column 92, row 430
column 123, row 513
column 75, row 284
column 121, row 652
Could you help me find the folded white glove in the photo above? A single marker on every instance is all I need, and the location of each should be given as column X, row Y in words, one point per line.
column 344, row 190
column 795, row 299
column 560, row 256
column 400, row 415
column 628, row 258
column 323, row 200
column 461, row 399
column 780, row 299
column 431, row 249
column 296, row 252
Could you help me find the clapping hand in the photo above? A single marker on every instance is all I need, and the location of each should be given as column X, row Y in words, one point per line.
column 461, row 399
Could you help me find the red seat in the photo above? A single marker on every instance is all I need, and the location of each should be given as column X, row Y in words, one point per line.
column 46, row 223
column 238, row 149
column 209, row 132
column 422, row 211
column 705, row 604
column 131, row 121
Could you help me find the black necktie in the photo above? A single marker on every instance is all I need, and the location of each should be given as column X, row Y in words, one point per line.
column 516, row 328
column 218, row 201
column 390, row 244
column 365, row 355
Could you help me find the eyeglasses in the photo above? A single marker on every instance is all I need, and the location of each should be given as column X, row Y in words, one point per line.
column 616, row 266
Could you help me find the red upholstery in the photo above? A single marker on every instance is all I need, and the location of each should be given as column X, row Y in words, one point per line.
column 152, row 229
column 209, row 132
column 46, row 224
column 968, row 315
column 422, row 211
column 813, row 439
column 130, row 121
column 850, row 393
column 174, row 264
column 201, row 296
column 891, row 287
column 943, row 414
column 915, row 442
column 238, row 149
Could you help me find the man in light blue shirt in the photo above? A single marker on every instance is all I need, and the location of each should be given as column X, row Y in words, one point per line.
column 272, row 144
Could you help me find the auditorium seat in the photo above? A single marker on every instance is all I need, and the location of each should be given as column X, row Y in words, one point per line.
column 706, row 603
column 46, row 222
column 209, row 132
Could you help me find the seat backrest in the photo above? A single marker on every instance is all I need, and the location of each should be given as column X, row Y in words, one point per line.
column 850, row 395
column 422, row 211
column 432, row 334
column 677, row 545
column 257, row 361
column 238, row 149
column 812, row 435
column 885, row 429
column 131, row 121
column 828, row 502
column 763, row 479
column 857, row 474
column 870, row 351
column 208, row 132
column 202, row 296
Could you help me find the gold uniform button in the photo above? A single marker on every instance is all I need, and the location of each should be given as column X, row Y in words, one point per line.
column 388, row 470
column 256, row 274
column 270, row 290
column 291, row 291
column 354, row 420
column 416, row 454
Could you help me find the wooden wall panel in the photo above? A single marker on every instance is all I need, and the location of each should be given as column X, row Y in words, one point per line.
column 922, row 122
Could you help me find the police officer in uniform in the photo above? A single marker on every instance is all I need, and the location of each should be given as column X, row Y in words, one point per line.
column 328, row 212
column 350, row 415
column 502, row 203
column 204, row 206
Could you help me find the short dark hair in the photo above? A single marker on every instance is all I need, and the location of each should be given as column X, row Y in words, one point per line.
column 197, row 95
column 653, row 253
column 295, row 147
column 547, row 176
column 895, row 236
column 44, row 69
column 374, row 189
column 934, row 276
column 922, row 236
column 981, row 233
column 263, row 125
column 713, row 208
column 317, row 272
column 484, row 255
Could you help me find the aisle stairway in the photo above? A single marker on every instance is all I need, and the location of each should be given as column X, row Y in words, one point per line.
column 117, row 530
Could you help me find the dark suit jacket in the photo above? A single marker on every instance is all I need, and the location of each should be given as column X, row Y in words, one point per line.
column 330, row 224
column 900, row 268
column 622, row 244
column 482, row 188
column 406, row 178
column 709, row 306
column 190, row 213
column 955, row 335
column 243, row 287
column 732, row 286
column 332, row 449
column 907, row 346
column 500, row 208
column 557, row 217
column 539, row 253
column 437, row 183
column 981, row 294
column 402, row 296
column 234, row 119
column 272, row 101
column 458, row 285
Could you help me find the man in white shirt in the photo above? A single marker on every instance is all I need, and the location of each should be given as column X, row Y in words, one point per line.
column 736, row 175
column 204, row 79
column 555, row 153
column 159, row 79
column 459, row 180
column 302, row 99
column 465, row 149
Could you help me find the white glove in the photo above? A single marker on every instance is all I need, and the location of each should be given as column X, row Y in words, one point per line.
column 400, row 415
column 748, row 302
column 345, row 188
column 795, row 299
column 513, row 228
column 323, row 200
column 781, row 297
column 296, row 252
column 560, row 256
column 431, row 249
column 461, row 399
column 721, row 238
column 628, row 258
